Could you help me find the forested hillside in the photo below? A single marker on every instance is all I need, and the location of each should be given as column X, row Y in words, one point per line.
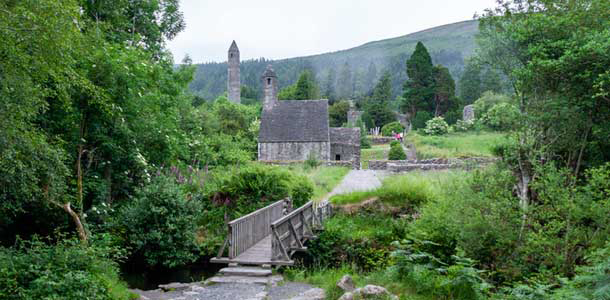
column 352, row 72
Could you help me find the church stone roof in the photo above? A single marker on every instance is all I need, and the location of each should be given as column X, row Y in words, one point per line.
column 346, row 136
column 295, row 121
column 233, row 46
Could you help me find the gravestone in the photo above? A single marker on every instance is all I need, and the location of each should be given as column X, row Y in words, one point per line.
column 468, row 114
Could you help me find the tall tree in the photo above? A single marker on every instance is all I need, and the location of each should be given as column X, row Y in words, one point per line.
column 491, row 81
column 444, row 90
column 306, row 87
column 329, row 85
column 371, row 76
column 419, row 88
column 344, row 83
column 377, row 106
column 470, row 82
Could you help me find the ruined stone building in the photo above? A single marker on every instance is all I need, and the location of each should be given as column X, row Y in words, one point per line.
column 296, row 129
column 233, row 80
column 292, row 130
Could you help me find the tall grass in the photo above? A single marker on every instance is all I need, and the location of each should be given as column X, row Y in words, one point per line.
column 327, row 278
column 407, row 190
column 459, row 144
column 324, row 178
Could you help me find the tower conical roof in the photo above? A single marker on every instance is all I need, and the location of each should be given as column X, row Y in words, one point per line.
column 233, row 47
column 269, row 72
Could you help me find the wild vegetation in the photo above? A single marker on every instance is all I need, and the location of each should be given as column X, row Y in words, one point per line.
column 109, row 160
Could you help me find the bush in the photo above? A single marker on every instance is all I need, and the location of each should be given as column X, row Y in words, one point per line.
column 67, row 270
column 503, row 116
column 396, row 152
column 159, row 225
column 436, row 126
column 488, row 100
column 254, row 186
column 463, row 126
column 395, row 127
column 420, row 119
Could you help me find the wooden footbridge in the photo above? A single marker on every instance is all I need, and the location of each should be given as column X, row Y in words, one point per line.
column 272, row 234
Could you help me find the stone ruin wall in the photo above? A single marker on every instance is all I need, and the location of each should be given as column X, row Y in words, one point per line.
column 293, row 150
column 430, row 164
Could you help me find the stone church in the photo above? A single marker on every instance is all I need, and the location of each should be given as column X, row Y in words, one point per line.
column 292, row 130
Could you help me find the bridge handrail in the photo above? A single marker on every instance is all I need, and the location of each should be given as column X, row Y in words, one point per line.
column 250, row 229
column 289, row 231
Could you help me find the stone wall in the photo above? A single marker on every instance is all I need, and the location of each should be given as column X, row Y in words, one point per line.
column 330, row 163
column 346, row 152
column 430, row 164
column 293, row 150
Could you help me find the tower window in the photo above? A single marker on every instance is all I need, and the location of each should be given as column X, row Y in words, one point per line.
column 231, row 55
column 268, row 81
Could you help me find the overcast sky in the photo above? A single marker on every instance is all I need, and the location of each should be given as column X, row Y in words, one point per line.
column 287, row 28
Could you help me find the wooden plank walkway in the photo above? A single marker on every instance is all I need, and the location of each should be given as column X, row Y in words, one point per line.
column 271, row 235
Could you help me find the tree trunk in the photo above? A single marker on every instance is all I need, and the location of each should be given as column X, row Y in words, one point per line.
column 82, row 233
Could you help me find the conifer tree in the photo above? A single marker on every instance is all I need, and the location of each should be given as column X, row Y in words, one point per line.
column 444, row 90
column 419, row 88
column 344, row 83
column 470, row 82
column 306, row 87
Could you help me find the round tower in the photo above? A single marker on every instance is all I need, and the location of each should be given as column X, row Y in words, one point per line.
column 233, row 80
column 269, row 88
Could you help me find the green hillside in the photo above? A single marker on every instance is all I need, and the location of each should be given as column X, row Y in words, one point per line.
column 448, row 45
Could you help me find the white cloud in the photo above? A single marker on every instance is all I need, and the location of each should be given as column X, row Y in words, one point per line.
column 288, row 28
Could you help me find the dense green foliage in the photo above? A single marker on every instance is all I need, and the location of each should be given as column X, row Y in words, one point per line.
column 394, row 127
column 337, row 113
column 396, row 152
column 67, row 270
column 304, row 89
column 436, row 126
column 158, row 226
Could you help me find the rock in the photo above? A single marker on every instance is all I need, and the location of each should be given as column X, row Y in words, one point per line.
column 468, row 113
column 373, row 292
column 311, row 294
column 174, row 286
column 346, row 283
column 347, row 296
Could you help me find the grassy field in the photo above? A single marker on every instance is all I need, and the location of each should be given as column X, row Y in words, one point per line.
column 455, row 144
column 324, row 178
column 376, row 152
column 409, row 188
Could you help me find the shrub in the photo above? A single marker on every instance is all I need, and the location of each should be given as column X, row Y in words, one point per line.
column 394, row 143
column 67, row 270
column 397, row 153
column 159, row 225
column 462, row 125
column 487, row 101
column 502, row 116
column 420, row 119
column 365, row 143
column 436, row 126
column 395, row 127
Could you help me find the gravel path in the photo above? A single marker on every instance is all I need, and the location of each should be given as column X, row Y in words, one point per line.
column 233, row 291
column 288, row 290
column 357, row 180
